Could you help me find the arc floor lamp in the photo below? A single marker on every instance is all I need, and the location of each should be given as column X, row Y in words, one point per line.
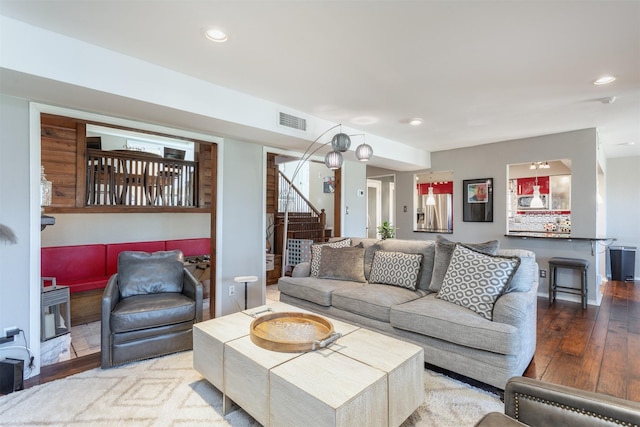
column 333, row 160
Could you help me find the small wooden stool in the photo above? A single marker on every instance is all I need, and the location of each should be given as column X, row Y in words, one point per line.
column 246, row 280
column 572, row 263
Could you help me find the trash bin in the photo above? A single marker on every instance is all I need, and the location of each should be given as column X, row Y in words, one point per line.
column 623, row 262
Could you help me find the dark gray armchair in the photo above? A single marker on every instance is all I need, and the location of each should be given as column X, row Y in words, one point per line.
column 149, row 307
column 529, row 402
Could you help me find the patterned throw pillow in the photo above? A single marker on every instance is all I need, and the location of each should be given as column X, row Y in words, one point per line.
column 444, row 250
column 316, row 253
column 475, row 280
column 396, row 268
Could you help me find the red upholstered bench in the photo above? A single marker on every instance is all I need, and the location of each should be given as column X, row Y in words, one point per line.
column 190, row 247
column 80, row 267
column 83, row 269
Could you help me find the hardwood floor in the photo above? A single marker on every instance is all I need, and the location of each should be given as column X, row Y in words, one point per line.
column 597, row 349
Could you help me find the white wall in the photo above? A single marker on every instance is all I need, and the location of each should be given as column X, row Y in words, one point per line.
column 354, row 202
column 490, row 161
column 15, row 260
column 79, row 229
column 623, row 203
column 242, row 229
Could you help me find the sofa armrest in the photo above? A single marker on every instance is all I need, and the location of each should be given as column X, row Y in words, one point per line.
column 302, row 270
column 192, row 288
column 537, row 403
column 110, row 298
column 517, row 308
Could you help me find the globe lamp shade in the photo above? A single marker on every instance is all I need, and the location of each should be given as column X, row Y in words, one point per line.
column 333, row 160
column 341, row 142
column 364, row 152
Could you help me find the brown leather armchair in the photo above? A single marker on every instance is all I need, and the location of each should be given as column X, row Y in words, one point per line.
column 530, row 402
column 149, row 307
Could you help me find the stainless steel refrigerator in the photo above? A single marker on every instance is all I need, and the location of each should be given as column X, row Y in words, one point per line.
column 438, row 217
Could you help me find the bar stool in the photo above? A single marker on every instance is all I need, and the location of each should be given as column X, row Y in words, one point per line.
column 571, row 263
column 246, row 280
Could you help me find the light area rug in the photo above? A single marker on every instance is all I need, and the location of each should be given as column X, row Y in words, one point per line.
column 167, row 391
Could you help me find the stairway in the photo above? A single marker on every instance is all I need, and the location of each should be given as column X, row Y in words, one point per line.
column 302, row 225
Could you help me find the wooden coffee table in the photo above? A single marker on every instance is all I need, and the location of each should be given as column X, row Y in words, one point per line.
column 363, row 379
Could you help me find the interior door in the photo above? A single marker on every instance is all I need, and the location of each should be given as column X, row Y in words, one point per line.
column 374, row 207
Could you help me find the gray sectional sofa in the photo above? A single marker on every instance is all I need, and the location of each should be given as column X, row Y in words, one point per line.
column 490, row 347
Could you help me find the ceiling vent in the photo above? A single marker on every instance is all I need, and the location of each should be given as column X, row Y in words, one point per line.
column 292, row 121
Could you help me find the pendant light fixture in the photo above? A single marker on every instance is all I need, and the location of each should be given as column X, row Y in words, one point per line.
column 333, row 160
column 431, row 200
column 341, row 142
column 364, row 152
column 536, row 201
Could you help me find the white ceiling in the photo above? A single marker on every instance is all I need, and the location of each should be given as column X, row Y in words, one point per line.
column 475, row 71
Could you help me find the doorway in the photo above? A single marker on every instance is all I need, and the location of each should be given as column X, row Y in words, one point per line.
column 374, row 207
column 381, row 203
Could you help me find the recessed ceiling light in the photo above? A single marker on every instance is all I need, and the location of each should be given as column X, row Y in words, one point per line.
column 416, row 121
column 604, row 80
column 216, row 35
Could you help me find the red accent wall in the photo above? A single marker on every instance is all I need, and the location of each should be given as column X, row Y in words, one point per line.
column 525, row 185
column 438, row 188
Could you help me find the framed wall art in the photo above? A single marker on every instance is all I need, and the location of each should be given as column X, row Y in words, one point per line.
column 329, row 184
column 477, row 202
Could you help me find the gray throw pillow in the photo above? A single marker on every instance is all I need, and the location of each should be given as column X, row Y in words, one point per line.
column 475, row 280
column 527, row 273
column 141, row 273
column 316, row 253
column 396, row 268
column 342, row 264
column 444, row 250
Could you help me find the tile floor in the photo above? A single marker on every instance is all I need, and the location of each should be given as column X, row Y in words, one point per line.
column 85, row 339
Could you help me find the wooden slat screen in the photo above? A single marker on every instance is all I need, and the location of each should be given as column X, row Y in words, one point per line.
column 85, row 181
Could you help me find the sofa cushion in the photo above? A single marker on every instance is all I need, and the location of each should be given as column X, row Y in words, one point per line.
column 442, row 320
column 396, row 268
column 372, row 301
column 424, row 247
column 154, row 310
column 316, row 253
column 475, row 280
column 443, row 251
column 527, row 273
column 342, row 264
column 313, row 289
column 141, row 273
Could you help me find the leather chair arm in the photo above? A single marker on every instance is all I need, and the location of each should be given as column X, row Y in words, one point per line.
column 192, row 288
column 537, row 403
column 110, row 298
